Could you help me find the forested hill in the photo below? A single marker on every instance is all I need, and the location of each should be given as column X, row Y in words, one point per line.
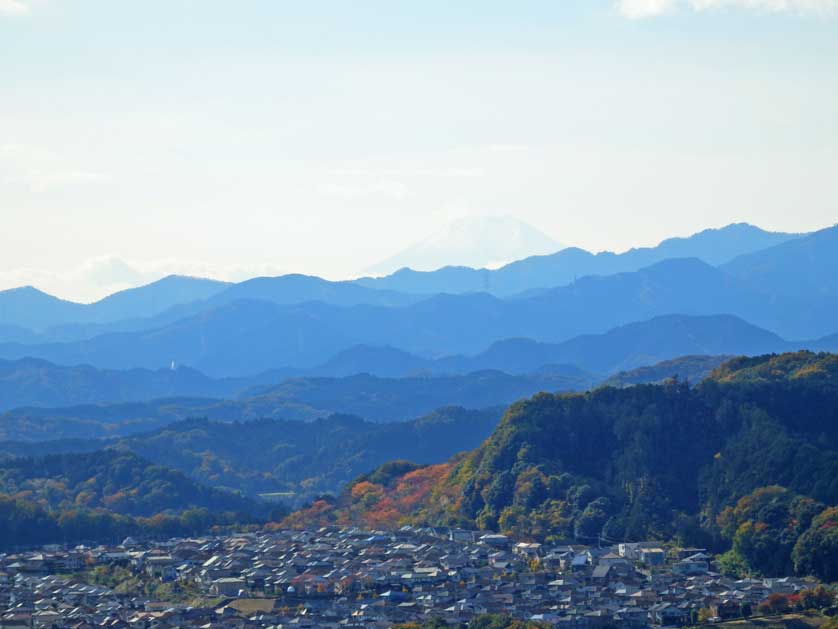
column 296, row 459
column 117, row 481
column 306, row 399
column 650, row 461
column 303, row 459
column 689, row 368
column 106, row 496
column 806, row 367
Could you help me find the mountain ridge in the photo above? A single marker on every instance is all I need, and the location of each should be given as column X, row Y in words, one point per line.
column 270, row 455
column 37, row 382
column 28, row 310
column 566, row 265
column 657, row 461
column 35, row 310
column 798, row 268
column 250, row 337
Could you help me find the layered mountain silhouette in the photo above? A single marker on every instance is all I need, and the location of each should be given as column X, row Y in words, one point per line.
column 35, row 382
column 30, row 316
column 627, row 347
column 575, row 364
column 713, row 246
column 33, row 316
column 299, row 399
column 249, row 337
column 34, row 310
column 802, row 267
column 298, row 289
column 637, row 344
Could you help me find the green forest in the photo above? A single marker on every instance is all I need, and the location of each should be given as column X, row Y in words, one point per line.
column 296, row 459
column 744, row 463
column 105, row 496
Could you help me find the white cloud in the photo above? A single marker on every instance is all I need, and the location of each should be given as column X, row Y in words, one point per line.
column 639, row 9
column 13, row 7
column 773, row 6
column 104, row 275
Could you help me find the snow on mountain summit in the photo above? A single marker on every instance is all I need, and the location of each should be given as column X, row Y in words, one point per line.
column 477, row 242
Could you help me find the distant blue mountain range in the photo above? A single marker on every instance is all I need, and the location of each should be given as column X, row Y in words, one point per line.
column 576, row 364
column 299, row 323
column 26, row 310
column 713, row 246
column 29, row 310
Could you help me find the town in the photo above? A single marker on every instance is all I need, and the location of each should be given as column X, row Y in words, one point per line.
column 347, row 577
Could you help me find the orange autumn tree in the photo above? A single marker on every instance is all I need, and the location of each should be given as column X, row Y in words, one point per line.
column 387, row 504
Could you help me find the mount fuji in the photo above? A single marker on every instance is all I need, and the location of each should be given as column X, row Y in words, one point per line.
column 476, row 242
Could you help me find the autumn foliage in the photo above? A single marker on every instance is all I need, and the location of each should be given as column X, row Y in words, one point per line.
column 389, row 504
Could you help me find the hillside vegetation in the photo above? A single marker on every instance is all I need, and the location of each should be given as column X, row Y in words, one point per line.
column 690, row 368
column 117, row 481
column 664, row 461
column 296, row 459
column 107, row 495
column 306, row 459
column 377, row 399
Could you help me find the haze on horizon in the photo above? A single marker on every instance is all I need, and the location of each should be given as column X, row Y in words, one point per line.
column 234, row 140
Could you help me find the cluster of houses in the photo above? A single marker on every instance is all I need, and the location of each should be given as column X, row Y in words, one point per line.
column 337, row 577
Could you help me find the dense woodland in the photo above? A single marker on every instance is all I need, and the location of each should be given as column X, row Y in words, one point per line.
column 306, row 459
column 689, row 368
column 25, row 524
column 728, row 464
column 107, row 495
column 118, row 481
column 297, row 459
column 300, row 399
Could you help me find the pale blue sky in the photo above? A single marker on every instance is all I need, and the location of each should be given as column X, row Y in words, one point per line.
column 269, row 136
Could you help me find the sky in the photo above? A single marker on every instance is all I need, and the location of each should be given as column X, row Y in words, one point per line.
column 261, row 137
